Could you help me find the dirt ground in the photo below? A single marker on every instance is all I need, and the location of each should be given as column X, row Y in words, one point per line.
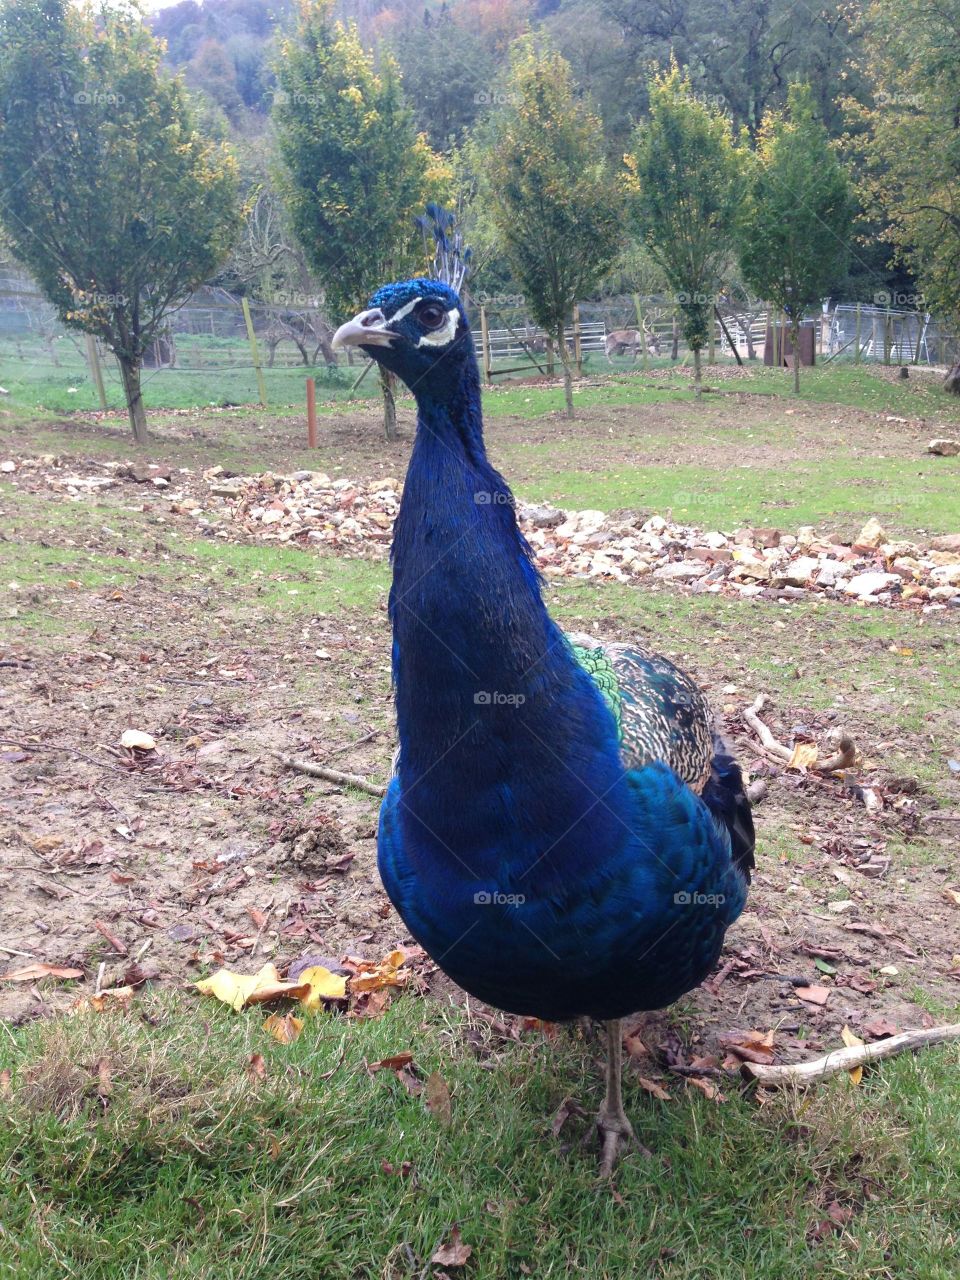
column 158, row 866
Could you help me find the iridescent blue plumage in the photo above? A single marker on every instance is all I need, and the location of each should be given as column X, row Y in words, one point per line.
column 552, row 858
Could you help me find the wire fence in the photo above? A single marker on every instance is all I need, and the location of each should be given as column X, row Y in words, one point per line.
column 219, row 349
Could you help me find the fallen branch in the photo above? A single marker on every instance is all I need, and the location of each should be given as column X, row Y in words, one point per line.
column 802, row 1073
column 330, row 775
column 752, row 717
column 844, row 754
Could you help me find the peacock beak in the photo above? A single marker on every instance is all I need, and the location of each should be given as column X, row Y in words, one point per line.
column 368, row 329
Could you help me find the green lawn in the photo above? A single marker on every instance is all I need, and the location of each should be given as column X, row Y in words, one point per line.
column 147, row 1146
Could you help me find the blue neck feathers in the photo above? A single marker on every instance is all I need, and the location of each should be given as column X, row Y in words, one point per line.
column 499, row 727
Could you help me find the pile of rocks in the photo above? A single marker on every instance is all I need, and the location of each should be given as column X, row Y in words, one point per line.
column 356, row 517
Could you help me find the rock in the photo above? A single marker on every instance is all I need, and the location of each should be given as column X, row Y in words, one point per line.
column 943, row 593
column 944, row 448
column 892, row 550
column 829, row 572
column 946, row 574
column 943, row 557
column 144, row 472
column 870, row 536
column 229, row 489
column 136, row 740
column 8, row 466
column 806, row 536
column 271, row 516
column 541, row 517
column 715, row 540
column 681, row 569
column 869, row 584
column 946, row 542
column 799, row 572
column 765, row 537
column 656, row 524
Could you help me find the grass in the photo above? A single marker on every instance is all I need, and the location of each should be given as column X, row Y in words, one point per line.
column 144, row 1146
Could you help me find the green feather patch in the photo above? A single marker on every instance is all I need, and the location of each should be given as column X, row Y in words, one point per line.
column 598, row 666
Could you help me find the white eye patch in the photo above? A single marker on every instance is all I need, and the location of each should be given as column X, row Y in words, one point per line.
column 440, row 337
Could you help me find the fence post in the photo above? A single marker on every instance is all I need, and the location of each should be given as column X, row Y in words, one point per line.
column 93, row 359
column 254, row 351
column 887, row 336
column 311, row 414
column 675, row 341
column 485, row 344
column 856, row 354
column 577, row 347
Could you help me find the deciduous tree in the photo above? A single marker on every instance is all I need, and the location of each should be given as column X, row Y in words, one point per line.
column 553, row 199
column 110, row 198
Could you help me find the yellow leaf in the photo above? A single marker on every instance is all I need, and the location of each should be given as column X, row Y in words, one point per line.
column 238, row 990
column 804, row 756
column 283, row 1027
column 850, row 1040
column 322, row 985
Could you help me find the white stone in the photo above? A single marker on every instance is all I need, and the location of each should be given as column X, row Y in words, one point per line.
column 868, row 584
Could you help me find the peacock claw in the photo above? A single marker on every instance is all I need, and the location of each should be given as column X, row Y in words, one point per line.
column 614, row 1128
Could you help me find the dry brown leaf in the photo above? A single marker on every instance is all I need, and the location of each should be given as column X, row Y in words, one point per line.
column 438, row 1099
column 256, row 1067
column 879, row 1028
column 283, row 1027
column 706, row 1088
column 652, row 1087
column 6, row 1088
column 34, row 972
column 454, row 1253
column 393, row 1063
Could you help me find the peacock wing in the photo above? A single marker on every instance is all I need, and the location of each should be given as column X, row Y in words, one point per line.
column 660, row 712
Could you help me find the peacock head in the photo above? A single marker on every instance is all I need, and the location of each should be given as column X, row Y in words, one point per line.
column 418, row 330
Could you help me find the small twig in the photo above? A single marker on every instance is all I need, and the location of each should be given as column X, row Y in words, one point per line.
column 846, row 1059
column 12, row 951
column 114, row 941
column 49, row 746
column 330, row 775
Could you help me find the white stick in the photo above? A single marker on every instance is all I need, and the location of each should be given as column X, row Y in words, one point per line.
column 846, row 1059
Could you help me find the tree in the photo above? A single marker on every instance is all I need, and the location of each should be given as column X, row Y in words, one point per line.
column 552, row 198
column 910, row 146
column 795, row 234
column 684, row 185
column 355, row 171
column 110, row 198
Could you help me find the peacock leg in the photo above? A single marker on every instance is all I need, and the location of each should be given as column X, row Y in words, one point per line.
column 611, row 1119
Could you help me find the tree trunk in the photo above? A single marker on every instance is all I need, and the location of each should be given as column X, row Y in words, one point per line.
column 795, row 338
column 130, row 374
column 567, row 374
column 389, row 404
column 697, row 382
column 952, row 381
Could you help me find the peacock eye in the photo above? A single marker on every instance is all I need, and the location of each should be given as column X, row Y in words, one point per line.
column 431, row 315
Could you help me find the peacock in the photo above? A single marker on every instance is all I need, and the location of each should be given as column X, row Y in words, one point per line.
column 564, row 832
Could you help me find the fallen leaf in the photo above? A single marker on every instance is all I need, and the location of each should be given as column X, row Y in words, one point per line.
column 813, row 995
column 454, row 1253
column 34, row 972
column 438, row 1100
column 256, row 1067
column 321, row 985
column 393, row 1063
column 238, row 990
column 879, row 1028
column 851, row 1041
column 652, row 1087
column 6, row 1088
column 951, row 895
column 635, row 1047
column 706, row 1088
column 804, row 756
column 283, row 1027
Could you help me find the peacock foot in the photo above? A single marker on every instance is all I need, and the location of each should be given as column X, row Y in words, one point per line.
column 614, row 1128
